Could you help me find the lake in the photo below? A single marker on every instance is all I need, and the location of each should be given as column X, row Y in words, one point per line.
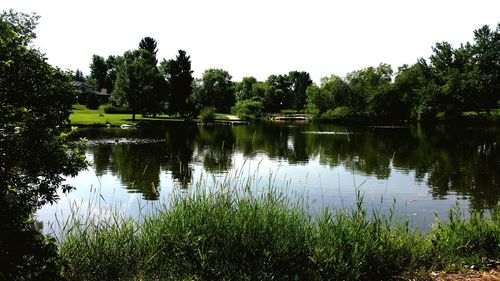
column 423, row 170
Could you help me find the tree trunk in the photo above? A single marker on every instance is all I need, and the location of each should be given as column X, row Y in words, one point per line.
column 133, row 116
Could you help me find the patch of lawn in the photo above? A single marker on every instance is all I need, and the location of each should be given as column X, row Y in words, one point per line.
column 97, row 117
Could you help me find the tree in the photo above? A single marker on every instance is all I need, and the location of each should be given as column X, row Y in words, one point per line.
column 338, row 90
column 216, row 90
column 149, row 44
column 98, row 72
column 35, row 154
column 243, row 89
column 452, row 69
column 366, row 84
column 139, row 85
column 299, row 80
column 278, row 93
column 79, row 76
column 418, row 90
column 486, row 67
column 111, row 62
column 179, row 76
column 319, row 99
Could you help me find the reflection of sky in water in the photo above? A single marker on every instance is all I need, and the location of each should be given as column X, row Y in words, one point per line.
column 324, row 186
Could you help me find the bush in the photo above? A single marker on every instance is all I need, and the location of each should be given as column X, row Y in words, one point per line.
column 248, row 109
column 92, row 102
column 339, row 113
column 207, row 115
column 111, row 109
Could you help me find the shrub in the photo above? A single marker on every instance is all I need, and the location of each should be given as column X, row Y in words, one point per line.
column 92, row 102
column 111, row 109
column 339, row 113
column 248, row 109
column 207, row 115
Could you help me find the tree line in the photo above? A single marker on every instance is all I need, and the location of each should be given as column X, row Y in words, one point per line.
column 450, row 82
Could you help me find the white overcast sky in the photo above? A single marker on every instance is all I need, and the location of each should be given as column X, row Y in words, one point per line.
column 257, row 37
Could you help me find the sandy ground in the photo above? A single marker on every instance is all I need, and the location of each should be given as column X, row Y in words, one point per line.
column 492, row 275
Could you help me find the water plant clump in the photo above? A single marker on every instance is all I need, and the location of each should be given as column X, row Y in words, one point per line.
column 232, row 232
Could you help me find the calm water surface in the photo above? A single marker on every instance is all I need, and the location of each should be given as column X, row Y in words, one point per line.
column 426, row 170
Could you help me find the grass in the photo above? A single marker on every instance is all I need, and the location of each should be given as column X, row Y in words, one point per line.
column 83, row 116
column 237, row 231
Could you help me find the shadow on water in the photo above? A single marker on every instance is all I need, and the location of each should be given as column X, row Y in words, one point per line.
column 462, row 160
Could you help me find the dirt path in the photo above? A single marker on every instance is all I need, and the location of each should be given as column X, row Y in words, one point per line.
column 233, row 117
column 492, row 275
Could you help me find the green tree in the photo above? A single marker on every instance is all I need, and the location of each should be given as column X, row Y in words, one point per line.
column 486, row 67
column 139, row 85
column 99, row 72
column 180, row 79
column 111, row 73
column 259, row 91
column 243, row 89
column 452, row 70
column 79, row 76
column 35, row 155
column 149, row 44
column 418, row 89
column 299, row 80
column 216, row 90
column 278, row 93
column 319, row 99
column 368, row 86
column 339, row 90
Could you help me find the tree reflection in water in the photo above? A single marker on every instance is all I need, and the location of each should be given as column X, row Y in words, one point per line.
column 448, row 159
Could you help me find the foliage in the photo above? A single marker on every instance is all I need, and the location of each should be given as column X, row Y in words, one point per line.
column 149, row 44
column 103, row 72
column 300, row 80
column 179, row 76
column 35, row 154
column 98, row 72
column 243, row 89
column 216, row 90
column 248, row 109
column 340, row 113
column 207, row 115
column 79, row 76
column 111, row 109
column 139, row 84
column 277, row 95
column 92, row 102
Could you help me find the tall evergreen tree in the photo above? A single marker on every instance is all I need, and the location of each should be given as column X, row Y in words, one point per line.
column 180, row 78
column 149, row 44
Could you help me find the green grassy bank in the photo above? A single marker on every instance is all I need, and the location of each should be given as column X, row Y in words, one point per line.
column 228, row 235
column 82, row 116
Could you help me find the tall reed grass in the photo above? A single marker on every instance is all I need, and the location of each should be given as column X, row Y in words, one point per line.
column 235, row 230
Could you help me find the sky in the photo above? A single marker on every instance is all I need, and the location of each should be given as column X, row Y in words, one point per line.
column 257, row 37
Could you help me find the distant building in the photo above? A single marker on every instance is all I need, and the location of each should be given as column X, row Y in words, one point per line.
column 86, row 89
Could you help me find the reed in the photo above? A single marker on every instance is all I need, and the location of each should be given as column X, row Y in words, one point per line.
column 241, row 229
